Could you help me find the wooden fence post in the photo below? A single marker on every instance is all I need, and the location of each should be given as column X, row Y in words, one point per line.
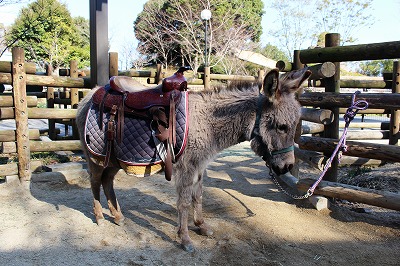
column 113, row 61
column 332, row 84
column 295, row 66
column 50, row 104
column 207, row 78
column 21, row 113
column 394, row 133
column 74, row 96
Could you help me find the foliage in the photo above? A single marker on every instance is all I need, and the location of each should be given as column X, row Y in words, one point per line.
column 274, row 53
column 172, row 31
column 49, row 35
column 376, row 67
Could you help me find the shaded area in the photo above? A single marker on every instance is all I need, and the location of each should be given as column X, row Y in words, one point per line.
column 52, row 223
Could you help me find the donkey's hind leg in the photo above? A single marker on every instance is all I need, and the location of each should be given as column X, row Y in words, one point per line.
column 197, row 199
column 96, row 172
column 107, row 180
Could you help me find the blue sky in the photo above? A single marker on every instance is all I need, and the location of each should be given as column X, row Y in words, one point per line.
column 122, row 13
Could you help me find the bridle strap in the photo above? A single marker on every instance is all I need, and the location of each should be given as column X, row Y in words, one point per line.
column 285, row 150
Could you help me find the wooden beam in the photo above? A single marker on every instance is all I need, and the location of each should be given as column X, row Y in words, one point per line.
column 372, row 51
column 30, row 68
column 322, row 116
column 38, row 146
column 138, row 73
column 321, row 71
column 51, row 113
column 332, row 99
column 358, row 83
column 312, row 128
column 313, row 158
column 50, row 81
column 12, row 168
column 383, row 152
column 10, row 135
column 383, row 199
column 367, row 134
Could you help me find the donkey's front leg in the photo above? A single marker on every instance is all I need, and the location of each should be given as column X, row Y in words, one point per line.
column 197, row 198
column 184, row 183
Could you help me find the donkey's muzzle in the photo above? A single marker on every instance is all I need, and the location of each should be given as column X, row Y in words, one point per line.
column 283, row 170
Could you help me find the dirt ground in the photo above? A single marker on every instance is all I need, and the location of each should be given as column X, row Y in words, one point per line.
column 51, row 222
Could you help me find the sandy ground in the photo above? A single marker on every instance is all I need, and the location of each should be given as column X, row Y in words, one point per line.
column 51, row 223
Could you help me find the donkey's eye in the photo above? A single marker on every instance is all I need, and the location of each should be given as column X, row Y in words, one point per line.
column 283, row 128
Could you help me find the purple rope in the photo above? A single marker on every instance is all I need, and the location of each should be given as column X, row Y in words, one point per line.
column 341, row 146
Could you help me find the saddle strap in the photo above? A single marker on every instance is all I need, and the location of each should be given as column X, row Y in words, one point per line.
column 172, row 121
column 120, row 123
column 110, row 134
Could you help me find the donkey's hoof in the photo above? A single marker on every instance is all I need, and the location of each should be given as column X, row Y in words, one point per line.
column 188, row 247
column 205, row 231
column 101, row 221
column 119, row 221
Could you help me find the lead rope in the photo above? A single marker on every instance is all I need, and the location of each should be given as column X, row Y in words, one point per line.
column 340, row 147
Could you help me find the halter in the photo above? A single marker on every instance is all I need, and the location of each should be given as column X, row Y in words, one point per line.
column 256, row 132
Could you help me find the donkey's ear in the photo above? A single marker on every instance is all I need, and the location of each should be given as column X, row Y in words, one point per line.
column 271, row 82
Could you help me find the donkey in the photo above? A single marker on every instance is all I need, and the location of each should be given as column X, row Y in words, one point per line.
column 219, row 118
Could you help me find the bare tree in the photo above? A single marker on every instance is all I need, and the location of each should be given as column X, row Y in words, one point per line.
column 154, row 32
column 223, row 41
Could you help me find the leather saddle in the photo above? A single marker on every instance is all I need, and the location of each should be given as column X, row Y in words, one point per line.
column 124, row 96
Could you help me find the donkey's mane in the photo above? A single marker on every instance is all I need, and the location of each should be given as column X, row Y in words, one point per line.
column 235, row 90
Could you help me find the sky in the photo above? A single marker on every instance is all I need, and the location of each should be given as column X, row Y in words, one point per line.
column 122, row 14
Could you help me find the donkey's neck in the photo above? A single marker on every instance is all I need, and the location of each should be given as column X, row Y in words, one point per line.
column 230, row 117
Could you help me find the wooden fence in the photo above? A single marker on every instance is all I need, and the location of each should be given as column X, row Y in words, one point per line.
column 316, row 149
column 321, row 108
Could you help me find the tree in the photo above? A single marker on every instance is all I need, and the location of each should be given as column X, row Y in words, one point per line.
column 10, row 2
column 344, row 17
column 375, row 67
column 174, row 31
column 49, row 35
column 274, row 53
column 298, row 25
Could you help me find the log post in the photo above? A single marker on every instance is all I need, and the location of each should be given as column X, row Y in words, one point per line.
column 113, row 61
column 50, row 104
column 21, row 113
column 261, row 74
column 295, row 66
column 395, row 114
column 284, row 66
column 74, row 96
column 207, row 78
column 159, row 75
column 332, row 85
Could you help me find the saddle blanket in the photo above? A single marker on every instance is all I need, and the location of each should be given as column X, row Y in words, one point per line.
column 137, row 147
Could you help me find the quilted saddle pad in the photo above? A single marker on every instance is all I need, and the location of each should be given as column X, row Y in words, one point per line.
column 137, row 147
